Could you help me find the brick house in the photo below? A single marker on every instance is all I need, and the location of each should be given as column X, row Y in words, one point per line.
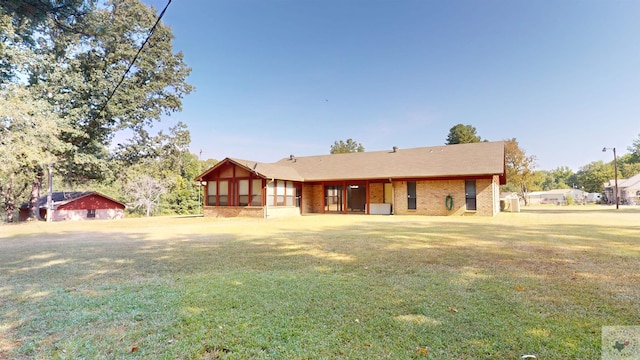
column 440, row 180
column 88, row 205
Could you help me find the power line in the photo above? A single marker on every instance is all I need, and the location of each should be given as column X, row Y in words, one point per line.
column 153, row 28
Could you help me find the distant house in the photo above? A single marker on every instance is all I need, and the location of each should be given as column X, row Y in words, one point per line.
column 535, row 197
column 88, row 205
column 628, row 190
column 441, row 180
column 562, row 196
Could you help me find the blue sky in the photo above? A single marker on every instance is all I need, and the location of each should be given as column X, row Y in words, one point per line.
column 281, row 77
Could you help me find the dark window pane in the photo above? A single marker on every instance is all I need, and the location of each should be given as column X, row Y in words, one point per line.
column 411, row 195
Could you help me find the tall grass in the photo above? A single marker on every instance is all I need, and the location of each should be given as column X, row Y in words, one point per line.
column 540, row 282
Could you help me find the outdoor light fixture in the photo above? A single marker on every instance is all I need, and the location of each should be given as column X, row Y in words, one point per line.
column 615, row 170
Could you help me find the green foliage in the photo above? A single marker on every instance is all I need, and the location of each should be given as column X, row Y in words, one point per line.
column 519, row 168
column 593, row 175
column 350, row 146
column 462, row 134
column 559, row 178
column 570, row 200
column 65, row 14
column 66, row 58
column 634, row 149
column 29, row 142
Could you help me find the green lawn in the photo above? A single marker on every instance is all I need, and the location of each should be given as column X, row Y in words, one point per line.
column 540, row 282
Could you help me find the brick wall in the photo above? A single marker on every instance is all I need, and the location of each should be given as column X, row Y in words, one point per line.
column 376, row 193
column 233, row 211
column 431, row 198
column 312, row 198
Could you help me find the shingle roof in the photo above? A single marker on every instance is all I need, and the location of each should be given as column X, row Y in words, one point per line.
column 271, row 171
column 64, row 197
column 436, row 161
column 631, row 182
column 477, row 159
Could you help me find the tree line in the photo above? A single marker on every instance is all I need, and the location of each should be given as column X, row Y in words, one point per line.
column 522, row 176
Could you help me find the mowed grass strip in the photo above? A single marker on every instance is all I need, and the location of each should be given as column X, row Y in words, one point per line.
column 540, row 282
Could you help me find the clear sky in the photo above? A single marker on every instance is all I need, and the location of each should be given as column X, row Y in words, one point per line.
column 281, row 77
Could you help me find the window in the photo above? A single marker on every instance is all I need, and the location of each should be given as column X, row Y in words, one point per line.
column 280, row 191
column 91, row 213
column 223, row 193
column 211, row 193
column 411, row 195
column 470, row 194
column 243, row 192
column 270, row 193
column 256, row 192
column 290, row 193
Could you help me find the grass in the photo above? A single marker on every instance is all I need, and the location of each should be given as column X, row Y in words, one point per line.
column 540, row 282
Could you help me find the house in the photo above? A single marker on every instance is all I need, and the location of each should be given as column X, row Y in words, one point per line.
column 628, row 190
column 88, row 205
column 535, row 197
column 562, row 196
column 440, row 180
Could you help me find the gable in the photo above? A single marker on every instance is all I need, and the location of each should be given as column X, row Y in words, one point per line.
column 92, row 201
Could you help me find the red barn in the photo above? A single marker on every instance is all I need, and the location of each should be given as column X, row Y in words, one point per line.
column 88, row 205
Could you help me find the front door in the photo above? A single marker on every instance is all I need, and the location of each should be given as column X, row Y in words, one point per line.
column 356, row 198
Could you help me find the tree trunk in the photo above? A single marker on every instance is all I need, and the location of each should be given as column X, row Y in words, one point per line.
column 9, row 200
column 36, row 185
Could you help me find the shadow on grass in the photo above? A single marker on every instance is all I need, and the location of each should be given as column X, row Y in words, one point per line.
column 375, row 289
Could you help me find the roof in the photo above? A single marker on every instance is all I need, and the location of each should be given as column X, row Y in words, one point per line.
column 631, row 183
column 436, row 161
column 477, row 159
column 64, row 197
column 558, row 191
column 271, row 171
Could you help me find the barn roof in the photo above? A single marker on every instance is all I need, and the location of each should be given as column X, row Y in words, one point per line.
column 65, row 197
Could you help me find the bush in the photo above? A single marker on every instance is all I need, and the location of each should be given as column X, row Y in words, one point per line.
column 570, row 200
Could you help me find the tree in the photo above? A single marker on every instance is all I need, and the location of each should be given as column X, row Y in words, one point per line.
column 77, row 74
column 635, row 150
column 144, row 192
column 85, row 70
column 462, row 134
column 350, row 146
column 519, row 168
column 593, row 175
column 64, row 13
column 29, row 143
column 559, row 178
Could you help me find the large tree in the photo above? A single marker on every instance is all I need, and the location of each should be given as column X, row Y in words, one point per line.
column 593, row 175
column 462, row 134
column 519, row 167
column 343, row 147
column 98, row 81
column 29, row 143
column 558, row 178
